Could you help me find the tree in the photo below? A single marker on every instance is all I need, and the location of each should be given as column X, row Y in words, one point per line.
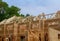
column 3, row 6
column 27, row 15
column 7, row 12
column 12, row 11
column 0, row 0
column 22, row 15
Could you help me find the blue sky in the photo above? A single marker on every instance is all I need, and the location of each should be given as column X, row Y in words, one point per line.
column 35, row 7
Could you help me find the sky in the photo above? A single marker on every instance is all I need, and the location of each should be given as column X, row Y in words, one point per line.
column 36, row 7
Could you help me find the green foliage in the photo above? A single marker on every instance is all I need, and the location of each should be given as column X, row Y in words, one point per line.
column 7, row 12
column 27, row 15
column 3, row 6
column 22, row 15
column 0, row 0
column 11, row 11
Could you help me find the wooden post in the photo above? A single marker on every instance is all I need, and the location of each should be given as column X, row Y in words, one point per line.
column 42, row 31
column 15, row 31
column 4, row 31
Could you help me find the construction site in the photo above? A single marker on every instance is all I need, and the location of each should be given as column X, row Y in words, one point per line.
column 44, row 27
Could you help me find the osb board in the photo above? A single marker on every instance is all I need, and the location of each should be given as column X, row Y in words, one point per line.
column 9, row 28
column 1, row 29
column 22, row 28
column 33, row 36
column 35, row 26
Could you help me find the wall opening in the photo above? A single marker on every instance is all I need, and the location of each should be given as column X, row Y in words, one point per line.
column 58, row 36
column 22, row 38
column 46, row 37
column 2, row 38
column 39, row 37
